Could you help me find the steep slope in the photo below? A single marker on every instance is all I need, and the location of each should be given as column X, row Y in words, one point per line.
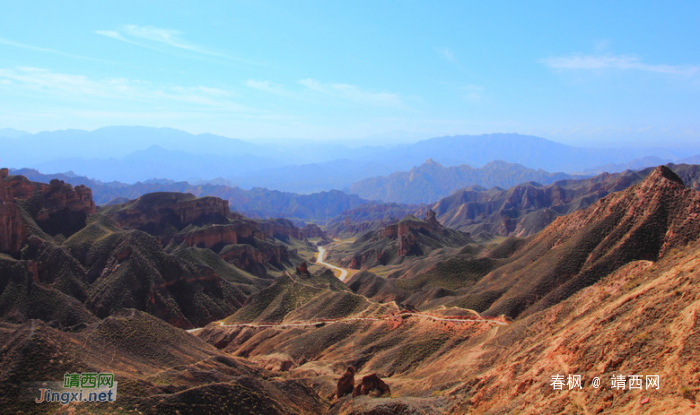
column 519, row 277
column 296, row 296
column 409, row 237
column 527, row 208
column 24, row 296
column 521, row 210
column 54, row 208
column 159, row 369
column 640, row 320
column 523, row 276
column 643, row 222
column 430, row 181
column 175, row 256
column 608, row 290
column 369, row 216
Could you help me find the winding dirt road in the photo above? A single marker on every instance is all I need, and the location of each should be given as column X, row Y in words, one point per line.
column 343, row 272
column 348, row 319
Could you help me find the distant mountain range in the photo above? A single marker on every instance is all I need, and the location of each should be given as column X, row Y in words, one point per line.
column 12, row 133
column 530, row 151
column 521, row 210
column 131, row 154
column 643, row 216
column 257, row 202
column 637, row 164
column 431, row 181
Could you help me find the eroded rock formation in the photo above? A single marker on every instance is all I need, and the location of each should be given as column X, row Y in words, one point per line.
column 371, row 385
column 346, row 383
column 58, row 208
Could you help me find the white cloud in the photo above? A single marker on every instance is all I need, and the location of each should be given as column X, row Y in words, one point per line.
column 266, row 86
column 621, row 62
column 70, row 87
column 111, row 33
column 354, row 94
column 164, row 40
column 148, row 36
column 164, row 36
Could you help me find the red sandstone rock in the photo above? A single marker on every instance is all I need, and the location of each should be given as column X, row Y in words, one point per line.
column 371, row 385
column 210, row 236
column 280, row 228
column 312, row 231
column 12, row 229
column 62, row 207
column 155, row 208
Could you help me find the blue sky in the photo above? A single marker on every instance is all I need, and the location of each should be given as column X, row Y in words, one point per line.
column 586, row 73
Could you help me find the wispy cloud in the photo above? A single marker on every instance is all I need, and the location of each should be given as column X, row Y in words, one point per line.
column 620, row 62
column 71, row 87
column 355, row 94
column 164, row 40
column 267, row 86
column 46, row 50
column 446, row 53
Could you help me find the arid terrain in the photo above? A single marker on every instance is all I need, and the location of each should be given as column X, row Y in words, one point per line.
column 198, row 309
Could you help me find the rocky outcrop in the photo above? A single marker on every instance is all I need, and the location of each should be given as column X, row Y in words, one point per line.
column 156, row 213
column 64, row 209
column 12, row 229
column 60, row 196
column 411, row 237
column 57, row 208
column 203, row 209
column 411, row 224
column 210, row 236
column 431, row 219
column 364, row 257
column 346, row 383
column 408, row 245
column 279, row 229
column 312, row 231
column 303, row 270
column 275, row 254
column 371, row 385
column 244, row 257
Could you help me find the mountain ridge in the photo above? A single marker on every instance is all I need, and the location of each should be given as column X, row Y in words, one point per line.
column 431, row 181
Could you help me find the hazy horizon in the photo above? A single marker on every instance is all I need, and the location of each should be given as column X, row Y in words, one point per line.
column 593, row 74
column 386, row 139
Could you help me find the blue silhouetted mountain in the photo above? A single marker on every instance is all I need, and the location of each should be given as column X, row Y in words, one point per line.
column 431, row 181
column 12, row 133
column 129, row 154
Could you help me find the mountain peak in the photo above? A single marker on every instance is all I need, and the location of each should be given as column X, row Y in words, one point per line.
column 663, row 173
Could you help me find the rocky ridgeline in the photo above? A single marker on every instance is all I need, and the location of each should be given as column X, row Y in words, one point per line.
column 207, row 222
column 644, row 222
column 56, row 207
column 154, row 211
column 12, row 230
column 406, row 238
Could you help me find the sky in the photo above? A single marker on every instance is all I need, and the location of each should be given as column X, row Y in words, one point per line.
column 593, row 73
